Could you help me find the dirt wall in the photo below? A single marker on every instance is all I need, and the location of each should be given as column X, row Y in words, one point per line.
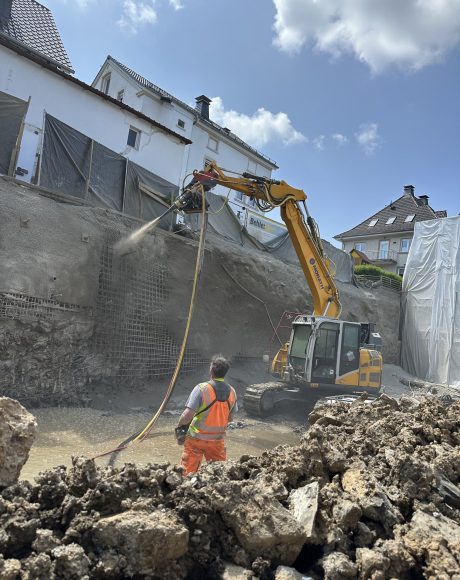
column 72, row 313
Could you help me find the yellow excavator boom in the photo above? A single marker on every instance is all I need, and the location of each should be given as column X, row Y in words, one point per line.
column 302, row 230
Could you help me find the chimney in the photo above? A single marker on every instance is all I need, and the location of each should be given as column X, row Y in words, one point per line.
column 424, row 199
column 202, row 106
column 5, row 9
column 409, row 190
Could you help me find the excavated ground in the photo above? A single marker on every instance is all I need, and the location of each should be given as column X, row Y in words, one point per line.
column 370, row 492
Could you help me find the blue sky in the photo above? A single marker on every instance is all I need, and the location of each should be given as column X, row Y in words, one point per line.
column 353, row 99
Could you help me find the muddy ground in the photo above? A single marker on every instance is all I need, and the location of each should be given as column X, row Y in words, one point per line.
column 369, row 491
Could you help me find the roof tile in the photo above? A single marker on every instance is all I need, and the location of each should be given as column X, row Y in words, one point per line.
column 401, row 208
column 32, row 24
column 223, row 130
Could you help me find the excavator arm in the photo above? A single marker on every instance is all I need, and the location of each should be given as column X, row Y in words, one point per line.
column 303, row 231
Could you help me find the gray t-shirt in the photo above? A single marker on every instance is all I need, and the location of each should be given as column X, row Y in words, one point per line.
column 195, row 399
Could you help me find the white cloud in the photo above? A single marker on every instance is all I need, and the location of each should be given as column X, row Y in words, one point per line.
column 259, row 128
column 318, row 142
column 406, row 33
column 340, row 139
column 176, row 4
column 136, row 14
column 368, row 137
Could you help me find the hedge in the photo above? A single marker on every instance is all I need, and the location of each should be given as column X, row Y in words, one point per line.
column 370, row 270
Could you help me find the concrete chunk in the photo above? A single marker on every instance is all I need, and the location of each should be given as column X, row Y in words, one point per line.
column 303, row 504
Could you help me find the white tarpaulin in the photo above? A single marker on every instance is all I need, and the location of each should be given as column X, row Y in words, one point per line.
column 430, row 314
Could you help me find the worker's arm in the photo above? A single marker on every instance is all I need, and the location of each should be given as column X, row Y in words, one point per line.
column 186, row 417
column 191, row 407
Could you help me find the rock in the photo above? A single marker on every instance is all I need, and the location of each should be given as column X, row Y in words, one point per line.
column 71, row 562
column 37, row 568
column 436, row 541
column 347, row 514
column 45, row 541
column 17, row 433
column 371, row 564
column 337, row 566
column 233, row 572
column 303, row 504
column 287, row 573
column 148, row 541
column 10, row 569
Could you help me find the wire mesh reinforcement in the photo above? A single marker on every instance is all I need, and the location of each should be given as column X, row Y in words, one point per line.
column 130, row 330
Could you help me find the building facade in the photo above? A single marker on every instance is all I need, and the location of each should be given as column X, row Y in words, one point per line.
column 209, row 141
column 385, row 237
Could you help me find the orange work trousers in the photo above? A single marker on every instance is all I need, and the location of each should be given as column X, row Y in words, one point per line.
column 195, row 449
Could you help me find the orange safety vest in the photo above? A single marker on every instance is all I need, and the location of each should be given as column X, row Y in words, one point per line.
column 211, row 419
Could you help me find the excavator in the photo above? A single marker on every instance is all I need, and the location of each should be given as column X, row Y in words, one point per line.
column 324, row 355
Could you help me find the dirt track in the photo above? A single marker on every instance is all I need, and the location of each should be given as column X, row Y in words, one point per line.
column 388, row 507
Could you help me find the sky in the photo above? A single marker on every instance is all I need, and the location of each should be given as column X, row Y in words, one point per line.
column 353, row 99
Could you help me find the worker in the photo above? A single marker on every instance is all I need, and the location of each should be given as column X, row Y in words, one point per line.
column 208, row 411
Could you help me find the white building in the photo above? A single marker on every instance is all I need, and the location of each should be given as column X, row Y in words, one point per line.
column 209, row 141
column 35, row 70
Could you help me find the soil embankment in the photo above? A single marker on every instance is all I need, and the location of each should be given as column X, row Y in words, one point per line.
column 370, row 492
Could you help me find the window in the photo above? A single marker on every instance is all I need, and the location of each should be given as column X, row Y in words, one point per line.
column 252, row 167
column 384, row 250
column 134, row 136
column 207, row 161
column 324, row 356
column 409, row 218
column 349, row 356
column 373, row 222
column 401, row 270
column 120, row 95
column 212, row 144
column 391, row 220
column 404, row 246
column 360, row 246
column 105, row 84
column 181, row 123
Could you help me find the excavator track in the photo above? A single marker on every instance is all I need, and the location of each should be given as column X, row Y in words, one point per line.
column 260, row 399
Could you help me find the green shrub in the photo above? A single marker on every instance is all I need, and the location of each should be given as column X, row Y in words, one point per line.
column 370, row 270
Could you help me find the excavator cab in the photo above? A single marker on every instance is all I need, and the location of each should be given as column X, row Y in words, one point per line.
column 329, row 353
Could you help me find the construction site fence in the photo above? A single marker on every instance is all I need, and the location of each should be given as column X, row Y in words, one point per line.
column 368, row 281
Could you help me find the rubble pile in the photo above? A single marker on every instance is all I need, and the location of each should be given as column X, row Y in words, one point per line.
column 370, row 492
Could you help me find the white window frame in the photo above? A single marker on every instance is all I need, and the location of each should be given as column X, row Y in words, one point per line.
column 384, row 253
column 253, row 169
column 210, row 141
column 409, row 218
column 362, row 246
column 138, row 137
column 390, row 220
column 121, row 95
column 373, row 222
column 399, row 270
column 409, row 242
column 105, row 83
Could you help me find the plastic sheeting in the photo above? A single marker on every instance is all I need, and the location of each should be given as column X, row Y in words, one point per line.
column 76, row 165
column 223, row 222
column 430, row 315
column 12, row 112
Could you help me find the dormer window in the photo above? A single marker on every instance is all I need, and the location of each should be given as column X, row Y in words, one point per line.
column 105, row 84
column 409, row 218
column 390, row 220
column 373, row 222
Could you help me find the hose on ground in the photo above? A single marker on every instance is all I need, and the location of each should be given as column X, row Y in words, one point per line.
column 141, row 435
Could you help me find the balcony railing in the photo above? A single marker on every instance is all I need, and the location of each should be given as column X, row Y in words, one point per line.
column 387, row 256
column 369, row 281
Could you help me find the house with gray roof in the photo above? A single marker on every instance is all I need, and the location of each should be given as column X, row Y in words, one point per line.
column 385, row 237
column 209, row 141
